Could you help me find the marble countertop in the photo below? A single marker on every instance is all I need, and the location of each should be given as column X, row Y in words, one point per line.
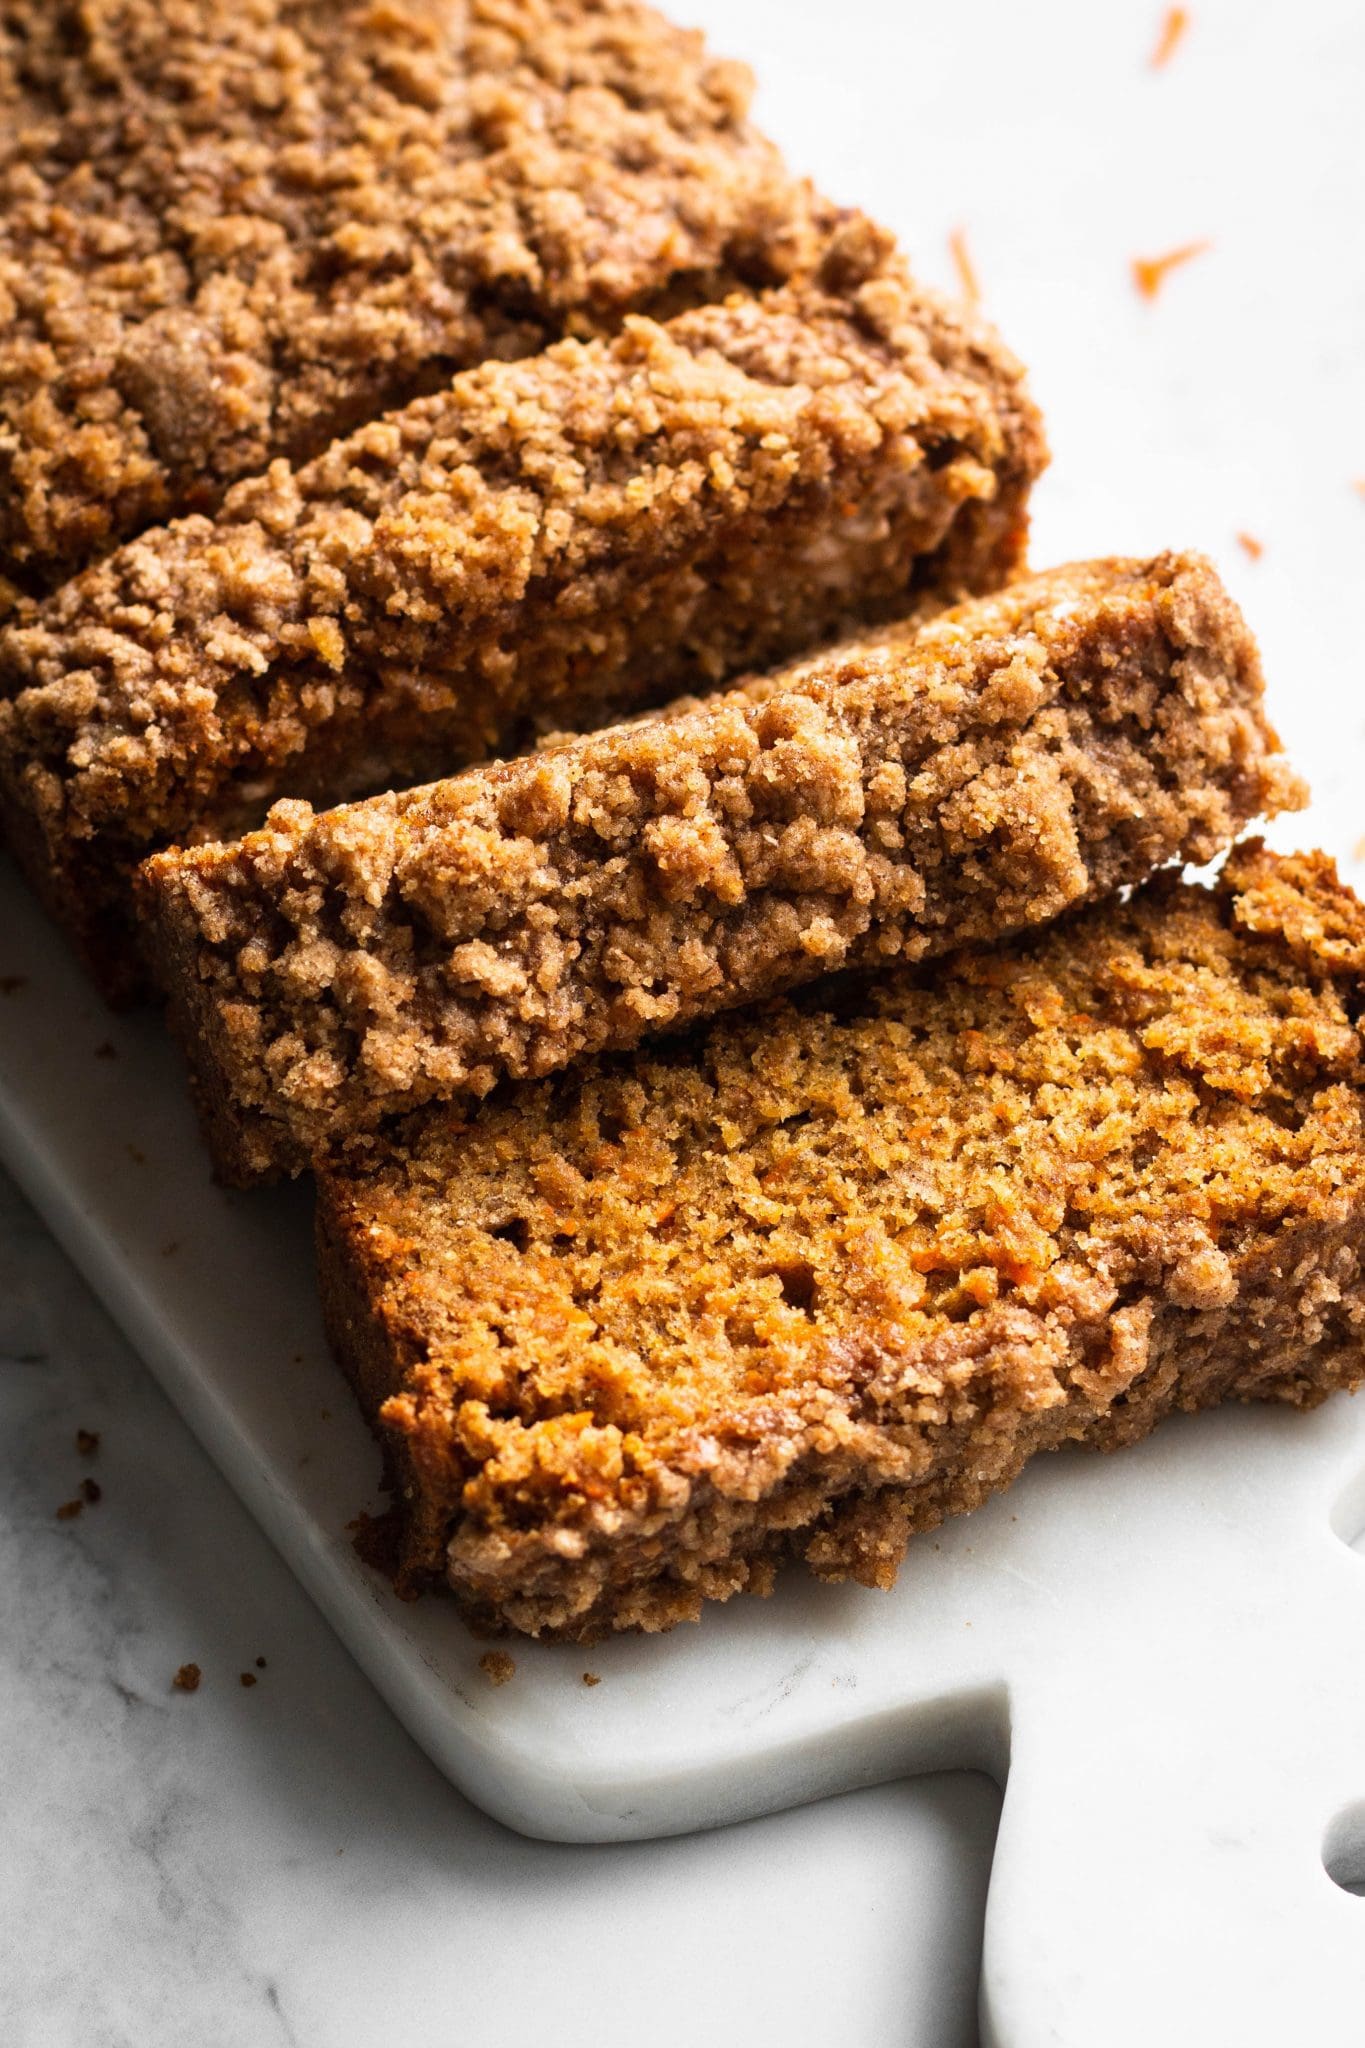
column 280, row 1862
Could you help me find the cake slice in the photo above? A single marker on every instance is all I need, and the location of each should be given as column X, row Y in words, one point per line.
column 836, row 1268
column 230, row 232
column 887, row 800
column 543, row 542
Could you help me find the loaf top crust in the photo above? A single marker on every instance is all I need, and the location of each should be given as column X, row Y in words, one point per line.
column 232, row 231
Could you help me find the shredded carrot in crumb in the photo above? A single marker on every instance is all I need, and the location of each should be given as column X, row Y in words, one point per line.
column 1151, row 272
column 968, row 282
column 1174, row 23
column 1251, row 546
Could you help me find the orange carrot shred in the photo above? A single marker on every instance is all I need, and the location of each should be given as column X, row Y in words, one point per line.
column 1251, row 546
column 1174, row 23
column 1151, row 272
column 968, row 282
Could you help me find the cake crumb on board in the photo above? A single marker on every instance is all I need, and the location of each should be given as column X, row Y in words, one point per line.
column 497, row 1667
column 187, row 1678
column 1150, row 272
column 969, row 284
column 1175, row 24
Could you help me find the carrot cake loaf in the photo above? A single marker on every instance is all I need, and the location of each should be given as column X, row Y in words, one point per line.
column 553, row 539
column 234, row 231
column 836, row 1268
column 888, row 800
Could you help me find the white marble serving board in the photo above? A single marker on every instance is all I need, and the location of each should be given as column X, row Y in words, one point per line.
column 1162, row 1652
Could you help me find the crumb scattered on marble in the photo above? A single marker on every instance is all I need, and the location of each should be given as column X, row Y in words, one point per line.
column 592, row 1678
column 260, row 1663
column 247, row 1678
column 497, row 1666
column 1249, row 545
column 1174, row 23
column 187, row 1678
column 91, row 1491
column 69, row 1510
column 87, row 1442
column 1151, row 272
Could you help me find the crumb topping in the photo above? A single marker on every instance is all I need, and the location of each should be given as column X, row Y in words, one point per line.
column 230, row 232
column 891, row 799
column 496, row 550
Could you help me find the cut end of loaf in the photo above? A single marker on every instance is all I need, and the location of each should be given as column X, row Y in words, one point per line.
column 822, row 1275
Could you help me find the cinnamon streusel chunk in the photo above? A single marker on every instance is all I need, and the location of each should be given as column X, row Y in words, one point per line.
column 888, row 800
column 544, row 541
column 837, row 1268
column 229, row 232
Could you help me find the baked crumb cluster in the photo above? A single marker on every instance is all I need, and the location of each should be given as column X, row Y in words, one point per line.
column 892, row 799
column 229, row 232
column 833, row 1270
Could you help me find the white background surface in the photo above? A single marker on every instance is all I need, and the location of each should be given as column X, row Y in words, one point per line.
column 282, row 1864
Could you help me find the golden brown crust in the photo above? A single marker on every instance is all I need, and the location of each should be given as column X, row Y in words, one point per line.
column 892, row 799
column 229, row 232
column 834, row 1269
column 545, row 541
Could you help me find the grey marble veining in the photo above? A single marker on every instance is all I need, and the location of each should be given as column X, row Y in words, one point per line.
column 281, row 1864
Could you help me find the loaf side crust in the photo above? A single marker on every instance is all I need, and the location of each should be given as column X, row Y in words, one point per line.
column 897, row 798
